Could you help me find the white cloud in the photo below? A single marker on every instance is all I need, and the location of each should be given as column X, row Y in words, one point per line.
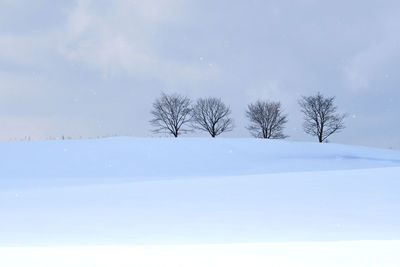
column 114, row 57
column 120, row 39
column 367, row 65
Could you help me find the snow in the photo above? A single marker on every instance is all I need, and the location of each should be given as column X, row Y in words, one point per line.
column 310, row 254
column 197, row 196
column 57, row 162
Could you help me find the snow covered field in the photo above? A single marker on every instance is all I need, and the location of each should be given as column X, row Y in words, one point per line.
column 198, row 202
column 330, row 254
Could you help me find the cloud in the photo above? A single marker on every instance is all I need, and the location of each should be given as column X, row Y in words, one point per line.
column 366, row 66
column 120, row 38
column 103, row 62
column 379, row 57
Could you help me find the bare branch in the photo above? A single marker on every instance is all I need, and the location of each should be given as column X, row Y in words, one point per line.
column 212, row 115
column 321, row 118
column 266, row 120
column 170, row 114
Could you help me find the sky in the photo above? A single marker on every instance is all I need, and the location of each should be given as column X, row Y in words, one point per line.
column 88, row 68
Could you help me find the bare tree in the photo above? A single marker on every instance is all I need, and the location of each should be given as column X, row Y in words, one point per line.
column 321, row 116
column 212, row 115
column 171, row 113
column 266, row 120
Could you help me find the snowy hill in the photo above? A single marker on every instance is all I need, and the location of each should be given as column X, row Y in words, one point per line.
column 167, row 158
column 138, row 191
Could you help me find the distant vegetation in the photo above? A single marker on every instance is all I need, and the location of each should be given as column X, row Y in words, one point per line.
column 175, row 114
column 171, row 114
column 266, row 120
column 211, row 115
column 321, row 118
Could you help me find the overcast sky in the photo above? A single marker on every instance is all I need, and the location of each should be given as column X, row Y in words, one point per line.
column 93, row 68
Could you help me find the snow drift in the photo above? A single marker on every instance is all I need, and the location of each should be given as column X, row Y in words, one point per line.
column 138, row 191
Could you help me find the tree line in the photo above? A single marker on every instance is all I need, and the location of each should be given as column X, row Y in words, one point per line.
column 176, row 115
